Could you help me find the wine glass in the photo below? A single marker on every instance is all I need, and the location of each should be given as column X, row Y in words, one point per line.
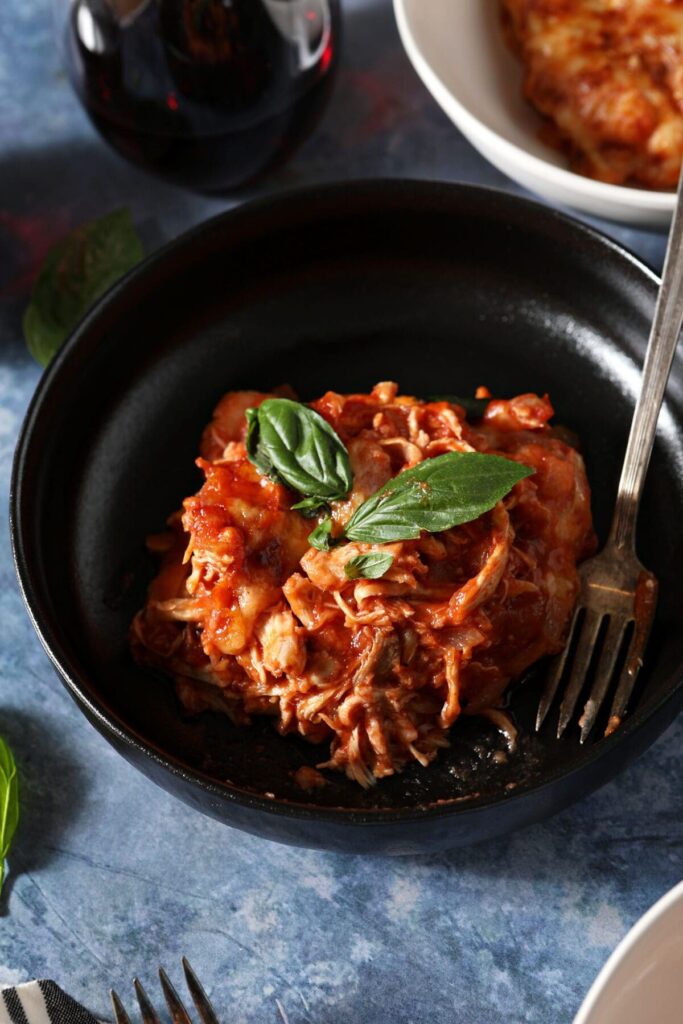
column 206, row 93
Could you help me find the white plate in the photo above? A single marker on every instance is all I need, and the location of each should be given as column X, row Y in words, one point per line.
column 458, row 49
column 642, row 982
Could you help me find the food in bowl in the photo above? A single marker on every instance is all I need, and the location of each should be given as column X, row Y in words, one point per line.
column 607, row 76
column 368, row 567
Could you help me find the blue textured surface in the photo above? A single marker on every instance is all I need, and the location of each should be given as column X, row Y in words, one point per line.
column 109, row 875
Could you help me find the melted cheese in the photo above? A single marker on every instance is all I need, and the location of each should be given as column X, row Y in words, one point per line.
column 608, row 77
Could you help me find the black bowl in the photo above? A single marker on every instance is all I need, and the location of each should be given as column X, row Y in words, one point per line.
column 439, row 287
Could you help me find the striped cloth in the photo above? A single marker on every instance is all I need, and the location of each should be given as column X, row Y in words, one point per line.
column 41, row 1002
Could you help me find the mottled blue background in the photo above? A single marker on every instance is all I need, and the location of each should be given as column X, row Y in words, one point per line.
column 109, row 875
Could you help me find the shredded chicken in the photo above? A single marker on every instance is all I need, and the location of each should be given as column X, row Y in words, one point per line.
column 249, row 619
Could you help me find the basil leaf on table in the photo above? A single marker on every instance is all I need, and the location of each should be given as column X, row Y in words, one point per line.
column 75, row 272
column 294, row 445
column 371, row 566
column 474, row 407
column 435, row 495
column 9, row 803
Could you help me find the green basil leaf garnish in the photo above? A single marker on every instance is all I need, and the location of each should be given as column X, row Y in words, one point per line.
column 309, row 507
column 293, row 444
column 9, row 803
column 474, row 407
column 321, row 537
column 75, row 273
column 254, row 453
column 435, row 495
column 368, row 567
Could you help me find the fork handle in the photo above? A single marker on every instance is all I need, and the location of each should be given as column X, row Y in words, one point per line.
column 661, row 348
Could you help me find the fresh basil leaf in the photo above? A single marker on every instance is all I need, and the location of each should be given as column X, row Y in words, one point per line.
column 293, row 444
column 255, row 455
column 474, row 407
column 75, row 272
column 9, row 803
column 309, row 507
column 368, row 567
column 321, row 537
column 435, row 495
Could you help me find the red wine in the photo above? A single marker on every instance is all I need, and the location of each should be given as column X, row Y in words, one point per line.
column 207, row 93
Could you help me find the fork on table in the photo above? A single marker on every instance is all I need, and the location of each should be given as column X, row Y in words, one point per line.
column 179, row 1014
column 617, row 594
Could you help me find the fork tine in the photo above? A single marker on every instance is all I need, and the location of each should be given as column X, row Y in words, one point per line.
column 119, row 1010
column 199, row 996
column 603, row 674
column 553, row 676
column 582, row 658
column 627, row 680
column 149, row 1014
column 179, row 1014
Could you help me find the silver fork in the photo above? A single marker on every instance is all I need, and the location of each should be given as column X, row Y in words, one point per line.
column 616, row 590
column 179, row 1014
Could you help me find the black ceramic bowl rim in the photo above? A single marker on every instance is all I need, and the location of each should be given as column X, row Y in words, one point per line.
column 107, row 721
